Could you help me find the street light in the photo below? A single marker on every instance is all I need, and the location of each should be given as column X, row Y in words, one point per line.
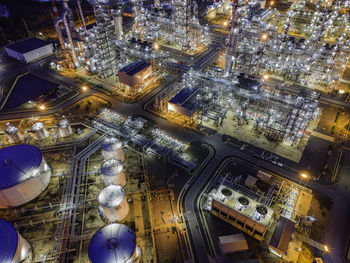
column 325, row 249
column 304, row 175
column 266, row 77
column 264, row 36
column 84, row 88
column 42, row 107
column 225, row 23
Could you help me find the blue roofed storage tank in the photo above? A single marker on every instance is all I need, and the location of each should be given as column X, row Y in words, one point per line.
column 24, row 174
column 115, row 243
column 13, row 247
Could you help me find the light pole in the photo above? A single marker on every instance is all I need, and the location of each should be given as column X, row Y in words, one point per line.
column 304, row 176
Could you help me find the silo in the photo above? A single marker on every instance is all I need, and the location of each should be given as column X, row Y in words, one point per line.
column 13, row 134
column 39, row 130
column 112, row 148
column 112, row 172
column 13, row 247
column 64, row 128
column 113, row 205
column 115, row 243
column 24, row 174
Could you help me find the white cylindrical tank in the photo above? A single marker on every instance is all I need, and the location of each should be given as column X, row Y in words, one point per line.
column 115, row 243
column 39, row 130
column 113, row 205
column 112, row 148
column 13, row 247
column 24, row 174
column 13, row 134
column 211, row 12
column 112, row 172
column 64, row 128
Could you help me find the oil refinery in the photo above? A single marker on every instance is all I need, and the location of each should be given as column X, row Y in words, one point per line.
column 174, row 131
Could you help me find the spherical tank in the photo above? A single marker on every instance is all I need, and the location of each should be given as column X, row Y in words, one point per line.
column 115, row 243
column 64, row 128
column 13, row 134
column 24, row 174
column 112, row 172
column 113, row 204
column 112, row 148
column 13, row 247
column 39, row 130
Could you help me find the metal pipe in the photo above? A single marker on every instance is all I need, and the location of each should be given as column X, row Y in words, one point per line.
column 81, row 14
column 70, row 40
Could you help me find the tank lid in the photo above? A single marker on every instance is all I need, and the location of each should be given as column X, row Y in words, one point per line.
column 112, row 195
column 11, row 130
column 37, row 126
column 8, row 241
column 111, row 144
column 111, row 167
column 113, row 243
column 18, row 163
column 64, row 123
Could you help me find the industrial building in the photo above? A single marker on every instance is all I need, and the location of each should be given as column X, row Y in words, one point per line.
column 113, row 148
column 113, row 205
column 13, row 247
column 24, row 174
column 29, row 50
column 281, row 236
column 112, row 172
column 184, row 104
column 134, row 75
column 241, row 211
column 114, row 243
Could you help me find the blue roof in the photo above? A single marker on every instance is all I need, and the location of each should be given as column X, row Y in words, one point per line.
column 112, row 243
column 8, row 241
column 15, row 162
column 27, row 45
column 182, row 96
column 135, row 67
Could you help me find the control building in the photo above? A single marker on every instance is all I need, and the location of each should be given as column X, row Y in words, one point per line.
column 24, row 175
column 113, row 204
column 115, row 243
column 13, row 247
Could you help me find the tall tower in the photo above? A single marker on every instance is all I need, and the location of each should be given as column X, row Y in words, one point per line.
column 102, row 38
column 182, row 20
column 232, row 40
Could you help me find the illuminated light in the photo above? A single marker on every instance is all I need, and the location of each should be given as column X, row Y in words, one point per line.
column 326, row 249
column 272, row 2
column 264, row 36
column 84, row 88
column 266, row 77
column 156, row 46
column 42, row 107
column 225, row 23
column 304, row 175
column 341, row 91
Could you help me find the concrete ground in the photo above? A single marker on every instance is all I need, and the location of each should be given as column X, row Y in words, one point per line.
column 247, row 134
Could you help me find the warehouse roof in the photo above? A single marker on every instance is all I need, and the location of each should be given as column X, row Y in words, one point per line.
column 135, row 67
column 182, row 96
column 28, row 45
column 282, row 234
column 17, row 163
column 8, row 241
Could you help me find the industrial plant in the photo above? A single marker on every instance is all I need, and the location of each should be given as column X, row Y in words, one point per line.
column 174, row 131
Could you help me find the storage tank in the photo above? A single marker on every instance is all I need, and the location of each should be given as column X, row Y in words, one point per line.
column 24, row 174
column 39, row 130
column 13, row 134
column 112, row 172
column 115, row 243
column 64, row 128
column 260, row 212
column 13, row 247
column 113, row 205
column 242, row 203
column 112, row 148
